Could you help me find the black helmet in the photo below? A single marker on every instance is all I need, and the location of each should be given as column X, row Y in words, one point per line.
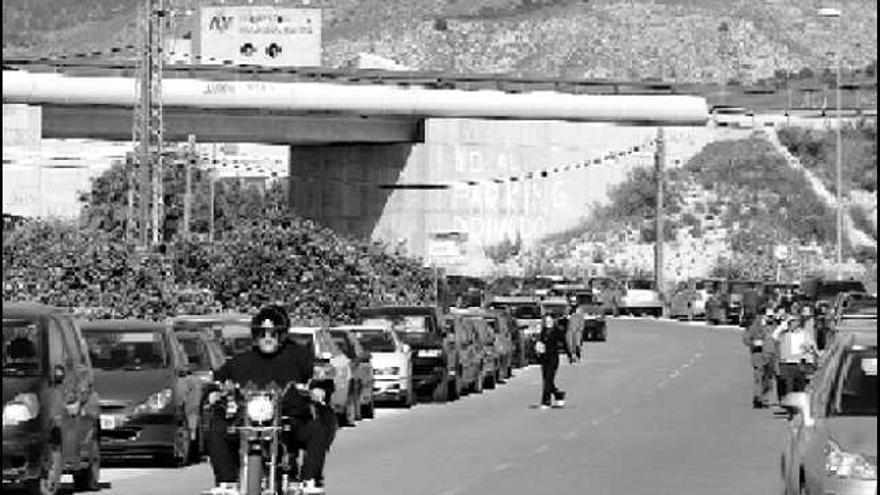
column 270, row 317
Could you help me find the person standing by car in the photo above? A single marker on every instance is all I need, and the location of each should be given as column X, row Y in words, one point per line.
column 273, row 360
column 551, row 341
column 797, row 352
column 758, row 337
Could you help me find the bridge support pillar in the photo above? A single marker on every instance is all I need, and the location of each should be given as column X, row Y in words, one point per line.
column 354, row 189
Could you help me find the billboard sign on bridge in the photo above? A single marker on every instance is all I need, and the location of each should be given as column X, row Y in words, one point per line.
column 259, row 35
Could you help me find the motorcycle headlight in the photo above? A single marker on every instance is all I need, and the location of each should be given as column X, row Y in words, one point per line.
column 156, row 402
column 260, row 409
column 24, row 407
column 391, row 370
column 847, row 465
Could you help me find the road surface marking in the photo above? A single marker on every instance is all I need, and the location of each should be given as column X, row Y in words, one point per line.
column 570, row 435
column 502, row 467
column 674, row 374
column 455, row 490
column 542, row 448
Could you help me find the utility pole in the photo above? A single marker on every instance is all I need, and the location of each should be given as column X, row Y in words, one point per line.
column 211, row 194
column 659, row 159
column 147, row 128
column 189, row 163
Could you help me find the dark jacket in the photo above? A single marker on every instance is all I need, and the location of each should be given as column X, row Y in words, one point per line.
column 292, row 363
column 555, row 340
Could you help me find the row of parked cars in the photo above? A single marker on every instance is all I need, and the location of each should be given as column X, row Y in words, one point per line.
column 76, row 392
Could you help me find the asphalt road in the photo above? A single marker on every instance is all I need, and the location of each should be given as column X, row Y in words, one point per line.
column 661, row 408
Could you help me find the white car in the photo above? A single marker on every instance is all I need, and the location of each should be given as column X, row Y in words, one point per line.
column 331, row 364
column 392, row 363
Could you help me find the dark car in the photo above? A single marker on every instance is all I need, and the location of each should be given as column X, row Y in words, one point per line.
column 591, row 310
column 232, row 329
column 419, row 327
column 150, row 402
column 467, row 359
column 206, row 356
column 362, row 369
column 50, row 408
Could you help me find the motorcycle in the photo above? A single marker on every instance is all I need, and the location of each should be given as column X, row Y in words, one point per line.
column 266, row 466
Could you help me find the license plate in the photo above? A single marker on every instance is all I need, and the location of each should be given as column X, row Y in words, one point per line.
column 429, row 353
column 757, row 343
column 108, row 422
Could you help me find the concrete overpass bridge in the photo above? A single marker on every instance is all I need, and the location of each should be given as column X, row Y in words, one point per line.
column 351, row 131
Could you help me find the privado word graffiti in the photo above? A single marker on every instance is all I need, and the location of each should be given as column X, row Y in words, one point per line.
column 225, row 88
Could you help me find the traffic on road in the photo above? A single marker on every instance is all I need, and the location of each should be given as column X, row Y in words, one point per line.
column 128, row 406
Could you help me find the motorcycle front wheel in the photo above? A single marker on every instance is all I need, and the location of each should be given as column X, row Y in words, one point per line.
column 254, row 475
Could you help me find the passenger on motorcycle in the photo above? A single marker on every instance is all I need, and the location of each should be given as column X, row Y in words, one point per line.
column 274, row 360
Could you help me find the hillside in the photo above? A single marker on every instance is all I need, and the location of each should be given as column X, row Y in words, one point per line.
column 738, row 209
column 685, row 40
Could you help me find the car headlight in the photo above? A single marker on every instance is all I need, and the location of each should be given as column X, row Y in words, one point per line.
column 391, row 370
column 24, row 407
column 156, row 402
column 260, row 409
column 847, row 465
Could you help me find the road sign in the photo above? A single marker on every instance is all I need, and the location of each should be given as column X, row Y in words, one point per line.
column 259, row 35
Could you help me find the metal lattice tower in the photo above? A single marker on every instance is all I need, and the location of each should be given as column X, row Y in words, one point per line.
column 145, row 180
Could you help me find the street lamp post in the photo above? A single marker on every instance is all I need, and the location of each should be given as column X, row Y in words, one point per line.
column 836, row 14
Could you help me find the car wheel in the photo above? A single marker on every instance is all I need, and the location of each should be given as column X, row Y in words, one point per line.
column 490, row 382
column 50, row 474
column 87, row 479
column 441, row 391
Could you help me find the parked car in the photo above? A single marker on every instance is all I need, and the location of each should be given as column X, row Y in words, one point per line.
column 640, row 297
column 526, row 313
column 150, row 398
column 486, row 344
column 361, row 369
column 419, row 327
column 467, row 360
column 831, row 445
column 590, row 309
column 391, row 359
column 232, row 329
column 333, row 365
column 501, row 325
column 206, row 356
column 50, row 407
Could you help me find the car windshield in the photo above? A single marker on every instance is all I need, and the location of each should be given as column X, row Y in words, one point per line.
column 856, row 394
column 126, row 350
column 408, row 324
column 21, row 348
column 641, row 285
column 861, row 307
column 376, row 341
column 525, row 311
column 196, row 353
column 556, row 309
column 237, row 345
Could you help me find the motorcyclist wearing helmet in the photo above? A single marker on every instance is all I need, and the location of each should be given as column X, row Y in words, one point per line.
column 551, row 341
column 273, row 359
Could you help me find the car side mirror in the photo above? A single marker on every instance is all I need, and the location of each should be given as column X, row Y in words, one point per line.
column 58, row 374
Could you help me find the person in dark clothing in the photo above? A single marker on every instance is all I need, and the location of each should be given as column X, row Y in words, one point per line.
column 274, row 360
column 758, row 337
column 551, row 341
column 750, row 306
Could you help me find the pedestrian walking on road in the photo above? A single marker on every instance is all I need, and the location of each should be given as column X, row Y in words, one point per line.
column 551, row 341
column 758, row 337
column 797, row 352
